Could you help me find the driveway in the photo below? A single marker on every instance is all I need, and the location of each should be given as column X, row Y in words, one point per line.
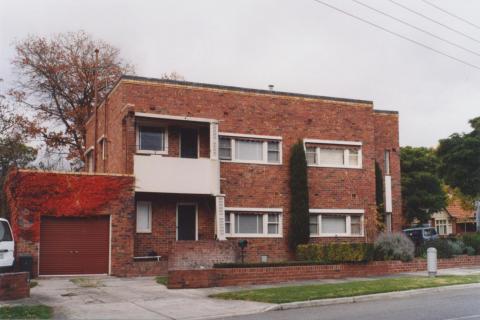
column 105, row 297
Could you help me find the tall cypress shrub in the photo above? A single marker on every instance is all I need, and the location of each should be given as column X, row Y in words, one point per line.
column 379, row 187
column 299, row 230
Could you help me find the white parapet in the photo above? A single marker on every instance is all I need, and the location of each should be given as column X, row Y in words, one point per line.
column 154, row 173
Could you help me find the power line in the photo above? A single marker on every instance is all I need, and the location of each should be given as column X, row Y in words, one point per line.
column 398, row 34
column 434, row 21
column 451, row 14
column 417, row 28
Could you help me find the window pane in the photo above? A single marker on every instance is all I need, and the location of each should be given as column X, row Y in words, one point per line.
column 273, row 217
column 353, row 157
column 249, row 223
column 227, row 227
column 273, row 155
column 314, row 224
column 331, row 157
column 249, row 150
column 152, row 138
column 311, row 155
column 356, row 225
column 225, row 149
column 334, row 224
column 143, row 216
column 273, row 229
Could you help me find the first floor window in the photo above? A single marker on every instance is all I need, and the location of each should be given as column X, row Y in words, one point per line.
column 252, row 224
column 338, row 224
column 151, row 138
column 144, row 217
column 333, row 156
column 273, row 151
column 441, row 226
column 311, row 155
column 250, row 150
column 225, row 148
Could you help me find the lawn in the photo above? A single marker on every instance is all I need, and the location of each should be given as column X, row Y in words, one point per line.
column 162, row 280
column 26, row 312
column 347, row 289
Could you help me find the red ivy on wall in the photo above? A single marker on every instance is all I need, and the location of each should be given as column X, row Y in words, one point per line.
column 32, row 194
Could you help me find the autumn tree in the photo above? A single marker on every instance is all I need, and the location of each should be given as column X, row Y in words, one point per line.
column 56, row 86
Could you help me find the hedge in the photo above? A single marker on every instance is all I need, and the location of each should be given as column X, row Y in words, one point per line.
column 336, row 252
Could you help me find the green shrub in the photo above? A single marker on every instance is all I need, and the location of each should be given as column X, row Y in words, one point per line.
column 394, row 246
column 443, row 246
column 336, row 252
column 472, row 240
column 469, row 251
column 457, row 247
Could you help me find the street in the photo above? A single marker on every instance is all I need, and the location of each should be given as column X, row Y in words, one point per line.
column 448, row 305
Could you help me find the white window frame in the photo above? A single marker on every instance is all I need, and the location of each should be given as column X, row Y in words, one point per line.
column 386, row 156
column 149, row 229
column 437, row 225
column 262, row 138
column 345, row 145
column 103, row 146
column 90, row 160
column 348, row 213
column 137, row 133
column 261, row 211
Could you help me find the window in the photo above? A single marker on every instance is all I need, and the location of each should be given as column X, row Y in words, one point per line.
column 329, row 223
column 311, row 154
column 252, row 223
column 144, row 217
column 151, row 138
column 273, row 151
column 90, row 160
column 387, row 162
column 335, row 157
column 103, row 148
column 441, row 226
column 250, row 150
column 225, row 148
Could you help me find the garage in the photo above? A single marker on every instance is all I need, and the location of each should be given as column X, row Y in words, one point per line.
column 74, row 245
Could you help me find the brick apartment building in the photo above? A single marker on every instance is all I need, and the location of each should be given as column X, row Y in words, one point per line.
column 209, row 164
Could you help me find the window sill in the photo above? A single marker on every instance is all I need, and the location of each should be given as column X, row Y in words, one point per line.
column 337, row 236
column 332, row 167
column 252, row 162
column 152, row 152
column 249, row 235
column 144, row 231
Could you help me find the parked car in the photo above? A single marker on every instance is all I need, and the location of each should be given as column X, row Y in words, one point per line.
column 421, row 234
column 7, row 246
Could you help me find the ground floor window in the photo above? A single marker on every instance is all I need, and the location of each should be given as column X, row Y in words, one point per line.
column 252, row 223
column 144, row 217
column 441, row 226
column 335, row 223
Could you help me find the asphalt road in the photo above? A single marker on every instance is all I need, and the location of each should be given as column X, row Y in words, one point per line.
column 451, row 304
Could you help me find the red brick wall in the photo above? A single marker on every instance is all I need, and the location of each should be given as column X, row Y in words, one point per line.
column 201, row 254
column 387, row 138
column 14, row 286
column 252, row 276
column 251, row 185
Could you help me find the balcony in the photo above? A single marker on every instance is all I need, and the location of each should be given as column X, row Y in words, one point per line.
column 154, row 173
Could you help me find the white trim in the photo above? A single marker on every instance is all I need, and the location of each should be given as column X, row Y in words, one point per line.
column 110, row 245
column 91, row 148
column 264, row 212
column 263, row 139
column 245, row 135
column 101, row 138
column 149, row 205
column 137, row 139
column 253, row 209
column 346, row 211
column 169, row 117
column 335, row 142
column 196, row 219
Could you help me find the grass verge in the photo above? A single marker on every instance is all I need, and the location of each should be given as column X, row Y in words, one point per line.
column 162, row 280
column 26, row 312
column 347, row 289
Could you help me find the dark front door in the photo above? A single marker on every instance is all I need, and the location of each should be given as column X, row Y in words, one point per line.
column 186, row 222
column 189, row 143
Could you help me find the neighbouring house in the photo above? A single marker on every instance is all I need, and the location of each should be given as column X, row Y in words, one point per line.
column 177, row 172
column 454, row 219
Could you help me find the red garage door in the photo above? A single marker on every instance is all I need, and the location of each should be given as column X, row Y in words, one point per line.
column 74, row 245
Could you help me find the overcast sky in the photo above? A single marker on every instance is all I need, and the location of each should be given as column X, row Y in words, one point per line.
column 297, row 45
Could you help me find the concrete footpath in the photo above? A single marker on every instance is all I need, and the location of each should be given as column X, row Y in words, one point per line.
column 105, row 297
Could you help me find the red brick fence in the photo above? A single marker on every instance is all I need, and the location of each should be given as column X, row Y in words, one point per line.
column 14, row 286
column 221, row 277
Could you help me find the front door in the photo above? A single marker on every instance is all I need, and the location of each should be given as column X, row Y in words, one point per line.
column 188, row 143
column 187, row 222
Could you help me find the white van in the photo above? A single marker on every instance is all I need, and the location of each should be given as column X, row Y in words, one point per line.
column 7, row 246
